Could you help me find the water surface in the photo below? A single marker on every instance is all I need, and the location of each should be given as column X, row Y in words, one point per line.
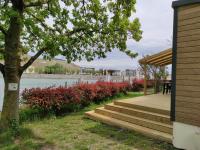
column 33, row 83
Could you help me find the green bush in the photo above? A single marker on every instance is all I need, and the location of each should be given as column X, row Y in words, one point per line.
column 55, row 69
column 31, row 114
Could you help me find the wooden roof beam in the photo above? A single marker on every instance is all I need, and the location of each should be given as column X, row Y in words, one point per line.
column 162, row 59
column 156, row 56
column 165, row 63
column 159, row 57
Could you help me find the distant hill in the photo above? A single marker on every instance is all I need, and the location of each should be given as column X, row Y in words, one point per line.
column 40, row 64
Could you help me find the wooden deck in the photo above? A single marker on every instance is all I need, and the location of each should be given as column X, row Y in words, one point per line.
column 148, row 115
column 158, row 101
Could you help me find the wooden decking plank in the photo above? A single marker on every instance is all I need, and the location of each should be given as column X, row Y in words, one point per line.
column 122, row 124
column 136, row 120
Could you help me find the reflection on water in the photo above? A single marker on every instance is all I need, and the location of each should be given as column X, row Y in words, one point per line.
column 33, row 83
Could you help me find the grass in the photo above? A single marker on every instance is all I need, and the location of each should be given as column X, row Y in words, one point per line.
column 74, row 132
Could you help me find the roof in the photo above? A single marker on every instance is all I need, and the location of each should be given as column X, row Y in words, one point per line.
column 163, row 58
column 184, row 2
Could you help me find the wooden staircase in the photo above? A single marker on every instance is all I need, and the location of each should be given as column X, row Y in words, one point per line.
column 149, row 121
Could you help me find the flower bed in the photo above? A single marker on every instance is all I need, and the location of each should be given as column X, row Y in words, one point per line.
column 138, row 84
column 61, row 99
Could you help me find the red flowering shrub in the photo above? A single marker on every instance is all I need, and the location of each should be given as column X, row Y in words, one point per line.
column 50, row 98
column 57, row 99
column 88, row 92
column 150, row 83
column 138, row 84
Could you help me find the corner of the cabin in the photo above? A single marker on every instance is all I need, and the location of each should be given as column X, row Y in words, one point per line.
column 185, row 110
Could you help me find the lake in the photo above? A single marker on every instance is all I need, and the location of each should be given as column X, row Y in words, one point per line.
column 33, row 83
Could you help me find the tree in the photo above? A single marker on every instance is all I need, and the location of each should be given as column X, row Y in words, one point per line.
column 76, row 29
column 159, row 73
column 55, row 69
column 156, row 73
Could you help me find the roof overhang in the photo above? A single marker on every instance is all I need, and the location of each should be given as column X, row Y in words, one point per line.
column 184, row 2
column 163, row 58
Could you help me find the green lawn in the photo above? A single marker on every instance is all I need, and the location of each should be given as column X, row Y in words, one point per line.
column 74, row 132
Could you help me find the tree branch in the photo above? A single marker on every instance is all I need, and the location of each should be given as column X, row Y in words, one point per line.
column 3, row 30
column 69, row 33
column 2, row 69
column 35, row 4
column 42, row 22
column 77, row 30
column 31, row 60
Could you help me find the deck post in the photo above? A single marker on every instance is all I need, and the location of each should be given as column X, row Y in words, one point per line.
column 145, row 79
column 155, row 83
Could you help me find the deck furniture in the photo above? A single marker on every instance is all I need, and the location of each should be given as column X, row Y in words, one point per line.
column 167, row 87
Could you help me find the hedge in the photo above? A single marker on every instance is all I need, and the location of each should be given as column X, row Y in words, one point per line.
column 57, row 100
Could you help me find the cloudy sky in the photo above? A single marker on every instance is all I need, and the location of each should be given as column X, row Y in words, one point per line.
column 156, row 17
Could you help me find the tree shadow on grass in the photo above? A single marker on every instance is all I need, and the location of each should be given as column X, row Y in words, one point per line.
column 129, row 138
column 26, row 140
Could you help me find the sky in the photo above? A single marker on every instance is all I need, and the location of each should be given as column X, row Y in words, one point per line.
column 156, row 18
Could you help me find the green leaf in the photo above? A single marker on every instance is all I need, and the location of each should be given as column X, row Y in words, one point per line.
column 75, row 29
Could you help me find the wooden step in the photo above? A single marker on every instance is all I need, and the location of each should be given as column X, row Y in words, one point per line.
column 140, row 107
column 136, row 120
column 139, row 113
column 126, row 125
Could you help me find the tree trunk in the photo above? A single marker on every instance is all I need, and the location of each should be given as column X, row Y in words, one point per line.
column 12, row 72
column 11, row 99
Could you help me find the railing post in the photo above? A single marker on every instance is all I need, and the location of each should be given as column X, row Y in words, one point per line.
column 145, row 79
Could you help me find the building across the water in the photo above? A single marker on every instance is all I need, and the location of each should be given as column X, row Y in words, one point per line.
column 113, row 72
column 86, row 70
column 130, row 72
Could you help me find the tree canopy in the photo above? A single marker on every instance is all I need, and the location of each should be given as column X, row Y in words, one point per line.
column 75, row 29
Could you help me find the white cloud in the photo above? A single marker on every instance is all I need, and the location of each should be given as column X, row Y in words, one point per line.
column 156, row 18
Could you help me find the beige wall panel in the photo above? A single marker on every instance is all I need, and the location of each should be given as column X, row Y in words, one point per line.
column 185, row 119
column 188, row 104
column 188, row 9
column 187, row 61
column 188, row 55
column 188, row 44
column 188, row 49
column 188, row 88
column 188, row 100
column 188, row 33
column 188, row 82
column 189, row 16
column 188, row 66
column 187, row 110
column 189, row 38
column 188, row 77
column 188, row 94
column 189, row 21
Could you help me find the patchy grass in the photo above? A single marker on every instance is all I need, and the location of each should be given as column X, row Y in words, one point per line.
column 74, row 132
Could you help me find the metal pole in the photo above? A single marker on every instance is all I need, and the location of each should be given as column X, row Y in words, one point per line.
column 145, row 79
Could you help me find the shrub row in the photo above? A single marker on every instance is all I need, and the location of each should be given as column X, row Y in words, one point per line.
column 138, row 85
column 61, row 99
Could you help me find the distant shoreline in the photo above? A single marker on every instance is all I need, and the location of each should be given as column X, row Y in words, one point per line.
column 73, row 77
column 55, row 76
